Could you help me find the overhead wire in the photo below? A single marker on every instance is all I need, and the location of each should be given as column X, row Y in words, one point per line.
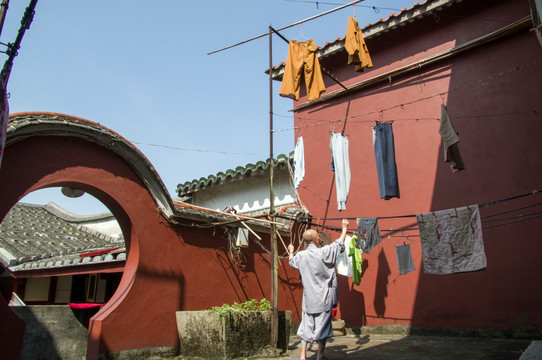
column 483, row 80
column 379, row 112
column 376, row 9
column 286, row 27
column 196, row 150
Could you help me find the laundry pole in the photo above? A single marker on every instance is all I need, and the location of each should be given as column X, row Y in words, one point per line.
column 274, row 250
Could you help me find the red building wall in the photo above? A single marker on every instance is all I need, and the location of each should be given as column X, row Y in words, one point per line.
column 168, row 268
column 493, row 93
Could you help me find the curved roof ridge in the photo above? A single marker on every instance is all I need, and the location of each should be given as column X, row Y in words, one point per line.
column 98, row 234
column 233, row 174
column 24, row 124
column 71, row 217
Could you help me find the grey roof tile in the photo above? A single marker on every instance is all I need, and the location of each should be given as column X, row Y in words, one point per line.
column 34, row 237
column 239, row 173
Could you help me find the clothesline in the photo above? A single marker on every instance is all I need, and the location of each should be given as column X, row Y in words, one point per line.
column 376, row 9
column 286, row 27
column 486, row 204
column 417, row 119
column 169, row 147
column 379, row 112
column 514, row 219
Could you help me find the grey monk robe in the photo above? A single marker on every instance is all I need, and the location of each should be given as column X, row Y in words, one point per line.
column 317, row 267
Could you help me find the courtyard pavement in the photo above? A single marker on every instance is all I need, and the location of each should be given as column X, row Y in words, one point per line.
column 411, row 347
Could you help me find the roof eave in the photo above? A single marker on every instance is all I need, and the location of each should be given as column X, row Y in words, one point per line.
column 80, row 269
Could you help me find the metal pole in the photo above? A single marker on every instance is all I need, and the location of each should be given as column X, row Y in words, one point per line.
column 287, row 26
column 273, row 235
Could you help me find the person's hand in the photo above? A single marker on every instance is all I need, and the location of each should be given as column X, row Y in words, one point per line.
column 290, row 248
column 345, row 223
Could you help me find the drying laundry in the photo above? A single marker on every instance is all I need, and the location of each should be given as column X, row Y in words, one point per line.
column 4, row 114
column 339, row 152
column 450, row 141
column 344, row 262
column 386, row 167
column 404, row 259
column 302, row 60
column 299, row 162
column 355, row 254
column 369, row 234
column 358, row 54
column 452, row 240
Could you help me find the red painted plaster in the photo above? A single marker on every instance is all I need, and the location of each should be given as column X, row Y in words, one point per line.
column 168, row 267
column 493, row 98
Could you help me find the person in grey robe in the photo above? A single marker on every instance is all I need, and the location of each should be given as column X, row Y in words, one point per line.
column 316, row 266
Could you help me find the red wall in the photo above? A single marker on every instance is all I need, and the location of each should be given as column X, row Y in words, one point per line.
column 169, row 268
column 493, row 97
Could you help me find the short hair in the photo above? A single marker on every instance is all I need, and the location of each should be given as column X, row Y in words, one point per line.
column 309, row 235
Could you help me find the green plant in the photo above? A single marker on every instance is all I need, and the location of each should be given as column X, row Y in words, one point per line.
column 239, row 308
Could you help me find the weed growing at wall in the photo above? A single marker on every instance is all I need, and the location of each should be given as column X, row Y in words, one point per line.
column 239, row 308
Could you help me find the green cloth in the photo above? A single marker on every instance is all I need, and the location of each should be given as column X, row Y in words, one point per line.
column 355, row 253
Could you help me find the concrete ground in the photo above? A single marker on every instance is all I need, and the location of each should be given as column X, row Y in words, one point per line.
column 381, row 347
column 413, row 347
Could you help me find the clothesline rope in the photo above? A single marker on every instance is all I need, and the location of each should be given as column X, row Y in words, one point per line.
column 379, row 112
column 321, row 122
column 486, row 204
column 518, row 218
column 286, row 27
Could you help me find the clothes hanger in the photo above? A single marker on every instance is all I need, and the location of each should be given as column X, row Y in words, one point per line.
column 301, row 37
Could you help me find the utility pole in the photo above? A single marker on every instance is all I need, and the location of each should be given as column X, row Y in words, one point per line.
column 273, row 235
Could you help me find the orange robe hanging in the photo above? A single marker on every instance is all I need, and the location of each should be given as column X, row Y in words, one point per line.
column 358, row 54
column 302, row 56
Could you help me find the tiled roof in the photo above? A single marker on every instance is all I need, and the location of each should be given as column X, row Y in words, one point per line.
column 36, row 237
column 24, row 125
column 238, row 173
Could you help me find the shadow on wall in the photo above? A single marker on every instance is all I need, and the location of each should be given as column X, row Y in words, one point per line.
column 381, row 290
column 353, row 301
column 498, row 126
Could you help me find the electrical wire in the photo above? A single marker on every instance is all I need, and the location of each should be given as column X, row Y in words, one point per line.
column 196, row 150
column 376, row 9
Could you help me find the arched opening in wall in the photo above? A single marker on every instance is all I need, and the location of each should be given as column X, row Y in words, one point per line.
column 61, row 246
column 45, row 150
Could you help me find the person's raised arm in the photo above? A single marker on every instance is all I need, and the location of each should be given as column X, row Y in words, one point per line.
column 345, row 228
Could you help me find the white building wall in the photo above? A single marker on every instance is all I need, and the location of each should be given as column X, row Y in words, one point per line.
column 108, row 226
column 248, row 195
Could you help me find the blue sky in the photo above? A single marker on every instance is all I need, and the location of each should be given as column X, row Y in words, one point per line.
column 141, row 69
